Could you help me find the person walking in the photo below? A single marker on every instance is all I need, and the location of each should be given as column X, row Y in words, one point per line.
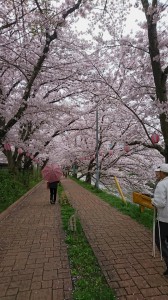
column 53, row 191
column 160, row 201
column 52, row 174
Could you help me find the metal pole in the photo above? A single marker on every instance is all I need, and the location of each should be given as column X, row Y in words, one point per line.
column 154, row 220
column 97, row 150
column 160, row 242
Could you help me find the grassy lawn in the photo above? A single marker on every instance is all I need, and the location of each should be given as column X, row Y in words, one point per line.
column 13, row 187
column 131, row 209
column 88, row 280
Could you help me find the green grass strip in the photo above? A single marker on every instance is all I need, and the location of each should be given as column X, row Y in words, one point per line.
column 131, row 209
column 13, row 187
column 88, row 281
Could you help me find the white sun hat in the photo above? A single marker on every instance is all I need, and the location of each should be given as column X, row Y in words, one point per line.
column 164, row 168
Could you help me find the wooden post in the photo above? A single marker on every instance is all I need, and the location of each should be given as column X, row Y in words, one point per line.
column 120, row 190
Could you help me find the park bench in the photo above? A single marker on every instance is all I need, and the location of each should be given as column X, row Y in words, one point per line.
column 143, row 201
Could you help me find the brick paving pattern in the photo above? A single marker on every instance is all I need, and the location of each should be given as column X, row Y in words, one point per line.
column 122, row 247
column 33, row 256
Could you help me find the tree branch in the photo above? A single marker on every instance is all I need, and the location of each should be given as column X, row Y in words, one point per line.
column 154, row 3
column 38, row 6
column 72, row 9
column 7, row 25
column 152, row 146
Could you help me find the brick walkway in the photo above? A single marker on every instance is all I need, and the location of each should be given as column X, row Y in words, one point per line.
column 33, row 255
column 122, row 246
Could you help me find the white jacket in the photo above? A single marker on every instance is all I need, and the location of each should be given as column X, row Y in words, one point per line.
column 160, row 200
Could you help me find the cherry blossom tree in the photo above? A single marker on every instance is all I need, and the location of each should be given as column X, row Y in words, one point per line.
column 30, row 33
column 53, row 77
column 128, row 84
column 28, row 72
column 22, row 71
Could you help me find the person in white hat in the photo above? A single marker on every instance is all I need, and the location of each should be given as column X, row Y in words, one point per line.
column 157, row 174
column 160, row 201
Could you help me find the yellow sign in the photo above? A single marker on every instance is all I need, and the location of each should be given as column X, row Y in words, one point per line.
column 142, row 200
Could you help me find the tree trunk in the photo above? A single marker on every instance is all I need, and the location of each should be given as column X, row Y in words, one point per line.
column 88, row 177
column 11, row 163
column 160, row 76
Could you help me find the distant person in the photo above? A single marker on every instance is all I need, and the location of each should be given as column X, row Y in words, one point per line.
column 65, row 172
column 53, row 191
column 160, row 201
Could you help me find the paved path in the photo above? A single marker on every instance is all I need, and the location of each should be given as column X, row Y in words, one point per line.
column 122, row 246
column 33, row 255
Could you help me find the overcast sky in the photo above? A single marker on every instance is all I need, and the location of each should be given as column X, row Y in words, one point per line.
column 131, row 24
